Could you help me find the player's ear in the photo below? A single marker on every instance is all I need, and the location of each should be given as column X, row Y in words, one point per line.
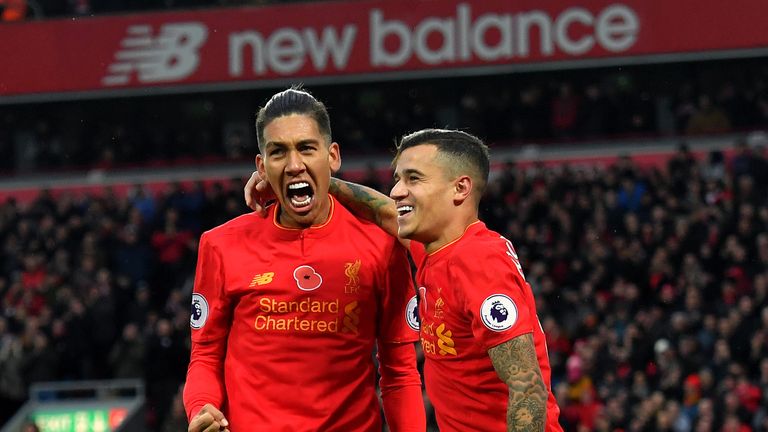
column 334, row 157
column 462, row 189
column 260, row 163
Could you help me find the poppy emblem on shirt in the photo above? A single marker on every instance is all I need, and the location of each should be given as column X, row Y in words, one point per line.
column 498, row 312
column 412, row 314
column 307, row 279
column 199, row 311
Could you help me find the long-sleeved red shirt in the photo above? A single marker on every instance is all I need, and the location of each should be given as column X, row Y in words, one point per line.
column 474, row 297
column 284, row 323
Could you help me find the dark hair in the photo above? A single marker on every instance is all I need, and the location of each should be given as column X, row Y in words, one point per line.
column 464, row 153
column 295, row 100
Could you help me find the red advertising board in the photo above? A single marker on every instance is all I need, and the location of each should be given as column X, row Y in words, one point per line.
column 362, row 39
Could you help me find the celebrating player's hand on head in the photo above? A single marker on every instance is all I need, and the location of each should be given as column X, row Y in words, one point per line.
column 258, row 193
column 209, row 419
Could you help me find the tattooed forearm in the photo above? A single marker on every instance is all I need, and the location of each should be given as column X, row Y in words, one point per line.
column 516, row 364
column 366, row 203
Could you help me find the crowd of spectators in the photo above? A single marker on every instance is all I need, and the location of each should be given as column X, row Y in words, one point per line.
column 590, row 105
column 99, row 288
column 652, row 288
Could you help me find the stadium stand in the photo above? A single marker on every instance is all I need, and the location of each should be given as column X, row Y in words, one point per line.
column 579, row 106
column 652, row 286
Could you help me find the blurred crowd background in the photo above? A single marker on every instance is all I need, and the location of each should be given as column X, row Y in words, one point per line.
column 652, row 287
column 575, row 106
column 651, row 280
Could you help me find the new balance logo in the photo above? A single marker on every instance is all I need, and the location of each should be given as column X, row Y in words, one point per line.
column 170, row 56
column 262, row 279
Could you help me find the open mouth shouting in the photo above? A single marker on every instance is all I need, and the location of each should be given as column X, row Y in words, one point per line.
column 300, row 195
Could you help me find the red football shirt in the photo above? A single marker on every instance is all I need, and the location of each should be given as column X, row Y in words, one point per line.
column 474, row 297
column 284, row 322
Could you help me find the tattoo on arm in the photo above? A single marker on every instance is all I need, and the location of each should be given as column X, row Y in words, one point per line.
column 516, row 364
column 366, row 203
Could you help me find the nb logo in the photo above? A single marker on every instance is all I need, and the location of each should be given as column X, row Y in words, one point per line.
column 170, row 56
column 262, row 279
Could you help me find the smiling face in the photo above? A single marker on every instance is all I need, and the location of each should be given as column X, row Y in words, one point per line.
column 424, row 194
column 298, row 161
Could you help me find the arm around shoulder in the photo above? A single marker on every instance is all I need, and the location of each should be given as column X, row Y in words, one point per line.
column 366, row 203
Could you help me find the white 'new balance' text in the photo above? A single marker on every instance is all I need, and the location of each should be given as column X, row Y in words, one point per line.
column 464, row 37
column 460, row 36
